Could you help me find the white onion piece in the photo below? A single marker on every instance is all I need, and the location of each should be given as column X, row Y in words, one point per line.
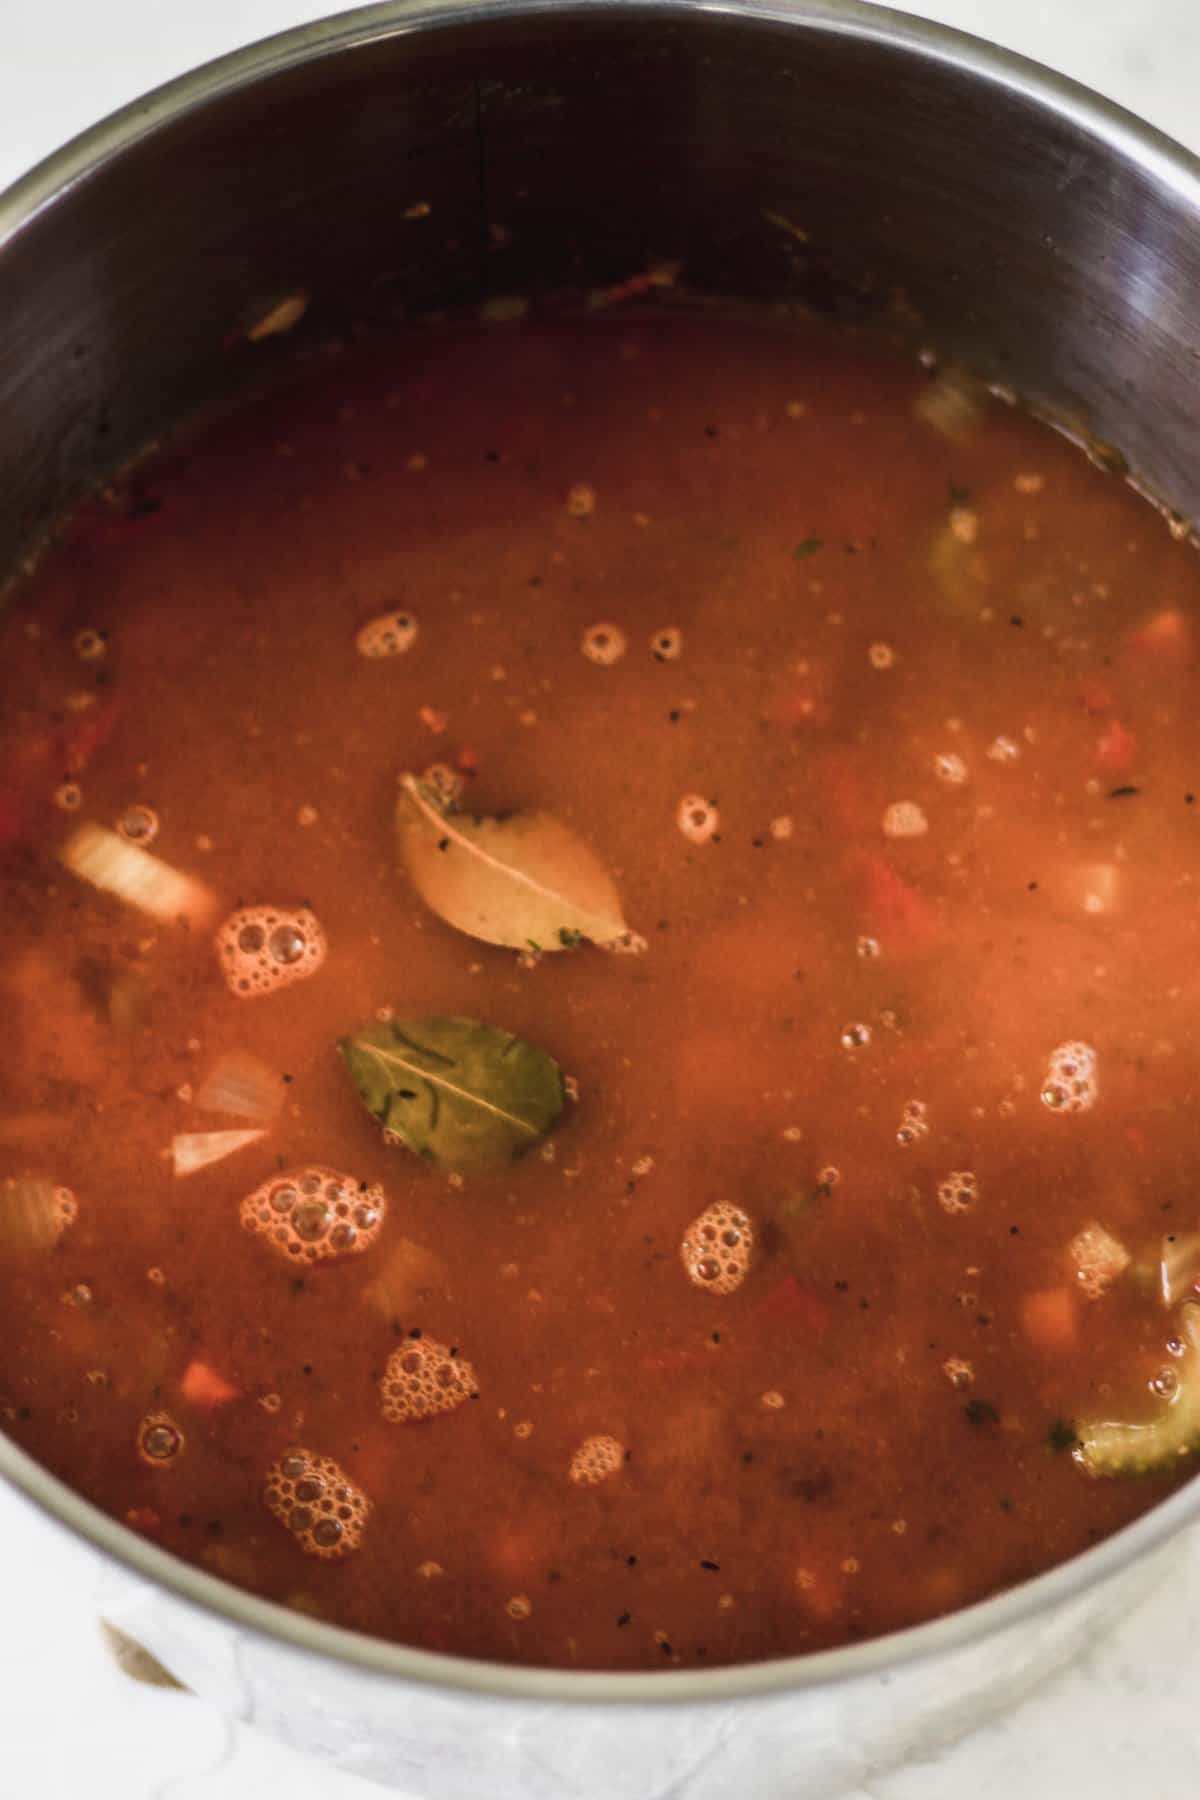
column 1179, row 1268
column 193, row 1150
column 242, row 1085
column 98, row 855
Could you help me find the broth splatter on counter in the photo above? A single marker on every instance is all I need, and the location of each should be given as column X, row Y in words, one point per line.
column 825, row 1265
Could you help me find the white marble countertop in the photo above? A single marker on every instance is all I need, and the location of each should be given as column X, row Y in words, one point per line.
column 1120, row 1725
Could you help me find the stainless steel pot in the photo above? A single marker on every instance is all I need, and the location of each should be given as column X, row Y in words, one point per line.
column 1011, row 217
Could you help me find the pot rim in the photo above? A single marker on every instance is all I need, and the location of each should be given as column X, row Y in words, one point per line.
column 1125, row 136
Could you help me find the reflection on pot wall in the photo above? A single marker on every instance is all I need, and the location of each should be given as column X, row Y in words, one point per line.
column 808, row 1746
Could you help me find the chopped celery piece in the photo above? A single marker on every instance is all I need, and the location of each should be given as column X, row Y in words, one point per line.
column 1120, row 1447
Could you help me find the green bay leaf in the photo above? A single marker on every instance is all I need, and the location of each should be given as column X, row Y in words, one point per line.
column 462, row 1094
column 521, row 880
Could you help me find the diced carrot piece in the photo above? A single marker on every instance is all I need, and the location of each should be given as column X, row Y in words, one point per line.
column 11, row 817
column 144, row 1519
column 202, row 1386
column 516, row 1550
column 821, row 1591
column 1166, row 634
column 1116, row 750
column 1097, row 697
column 675, row 1359
column 798, row 706
column 795, row 1307
column 1049, row 1318
column 87, row 735
column 29, row 776
column 903, row 917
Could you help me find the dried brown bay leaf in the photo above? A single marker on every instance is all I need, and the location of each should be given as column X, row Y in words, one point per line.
column 526, row 881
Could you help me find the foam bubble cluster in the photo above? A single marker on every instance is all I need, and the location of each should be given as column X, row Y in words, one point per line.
column 1096, row 1258
column 904, row 819
column 595, row 1460
column 317, row 1502
column 914, row 1122
column 717, row 1248
column 424, row 1378
column 159, row 1440
column 34, row 1213
column 264, row 948
column 389, row 634
column 314, row 1214
column 958, row 1192
column 1070, row 1083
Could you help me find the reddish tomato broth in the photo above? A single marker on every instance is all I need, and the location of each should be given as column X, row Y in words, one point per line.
column 843, row 1023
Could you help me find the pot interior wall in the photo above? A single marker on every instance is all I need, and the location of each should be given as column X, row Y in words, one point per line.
column 570, row 149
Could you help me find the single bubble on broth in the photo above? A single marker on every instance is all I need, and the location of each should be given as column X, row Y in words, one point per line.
column 950, row 768
column 315, row 1214
column 34, row 1214
column 138, row 824
column 445, row 784
column 89, row 644
column 1096, row 1259
column 581, row 500
column 424, row 1378
column 159, row 1440
column 881, row 656
column 904, row 819
column 262, row 949
column 604, row 643
column 667, row 645
column 914, row 1122
column 718, row 1247
column 867, row 948
column 958, row 1192
column 68, row 796
column 388, row 634
column 314, row 1499
column 1071, row 1084
column 856, row 1035
column 1004, row 750
column 697, row 818
column 595, row 1460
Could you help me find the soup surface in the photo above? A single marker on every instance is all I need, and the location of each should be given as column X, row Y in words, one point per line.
column 844, row 1277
